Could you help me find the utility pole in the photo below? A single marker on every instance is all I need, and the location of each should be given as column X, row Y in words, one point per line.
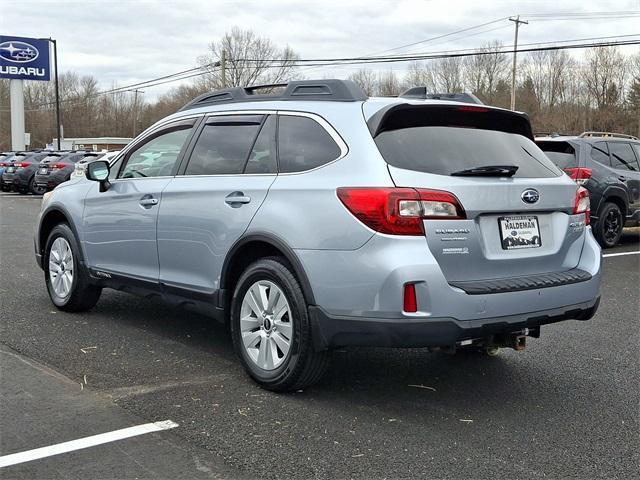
column 134, row 113
column 223, row 68
column 58, row 124
column 517, row 21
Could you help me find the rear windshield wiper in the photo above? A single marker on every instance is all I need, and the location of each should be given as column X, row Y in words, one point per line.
column 488, row 171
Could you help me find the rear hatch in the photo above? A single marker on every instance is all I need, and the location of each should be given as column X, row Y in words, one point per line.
column 47, row 163
column 517, row 205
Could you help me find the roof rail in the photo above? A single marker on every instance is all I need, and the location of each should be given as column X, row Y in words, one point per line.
column 421, row 93
column 320, row 90
column 607, row 134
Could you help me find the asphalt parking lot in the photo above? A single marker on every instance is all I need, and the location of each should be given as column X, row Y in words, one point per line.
column 566, row 407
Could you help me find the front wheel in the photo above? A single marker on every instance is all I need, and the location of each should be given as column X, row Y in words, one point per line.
column 608, row 228
column 66, row 278
column 271, row 329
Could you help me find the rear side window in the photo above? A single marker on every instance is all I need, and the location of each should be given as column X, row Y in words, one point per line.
column 262, row 158
column 303, row 144
column 600, row 153
column 443, row 150
column 224, row 145
column 562, row 154
column 622, row 156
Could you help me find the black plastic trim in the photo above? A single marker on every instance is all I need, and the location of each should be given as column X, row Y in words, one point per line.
column 280, row 245
column 526, row 282
column 330, row 331
column 39, row 246
column 331, row 90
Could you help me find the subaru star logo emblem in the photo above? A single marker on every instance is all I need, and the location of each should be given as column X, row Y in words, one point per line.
column 530, row 196
column 20, row 52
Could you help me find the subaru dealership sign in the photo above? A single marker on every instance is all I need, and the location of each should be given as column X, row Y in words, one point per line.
column 24, row 58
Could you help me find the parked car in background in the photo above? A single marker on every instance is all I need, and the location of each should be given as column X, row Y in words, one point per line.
column 20, row 171
column 57, row 167
column 608, row 165
column 4, row 160
column 318, row 218
column 81, row 164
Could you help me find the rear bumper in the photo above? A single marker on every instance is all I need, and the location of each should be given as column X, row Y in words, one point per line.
column 330, row 331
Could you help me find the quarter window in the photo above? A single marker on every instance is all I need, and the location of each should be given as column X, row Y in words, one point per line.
column 600, row 153
column 157, row 157
column 303, row 144
column 622, row 156
column 224, row 145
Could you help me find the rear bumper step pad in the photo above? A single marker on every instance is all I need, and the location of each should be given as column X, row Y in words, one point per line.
column 529, row 282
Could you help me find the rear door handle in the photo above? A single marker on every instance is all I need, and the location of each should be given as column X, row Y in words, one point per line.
column 235, row 199
column 622, row 178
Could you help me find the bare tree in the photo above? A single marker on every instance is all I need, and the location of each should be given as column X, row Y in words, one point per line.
column 250, row 60
column 482, row 73
column 366, row 79
column 449, row 74
column 388, row 84
column 605, row 74
column 418, row 75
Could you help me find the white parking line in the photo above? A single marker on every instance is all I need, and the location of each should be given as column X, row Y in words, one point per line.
column 86, row 442
column 620, row 254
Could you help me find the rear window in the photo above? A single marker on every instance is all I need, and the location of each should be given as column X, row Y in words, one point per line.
column 443, row 150
column 562, row 154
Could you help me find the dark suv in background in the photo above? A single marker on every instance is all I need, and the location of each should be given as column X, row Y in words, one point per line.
column 608, row 165
column 57, row 167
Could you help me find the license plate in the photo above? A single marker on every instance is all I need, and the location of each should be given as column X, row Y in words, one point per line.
column 519, row 232
column 11, row 169
column 43, row 171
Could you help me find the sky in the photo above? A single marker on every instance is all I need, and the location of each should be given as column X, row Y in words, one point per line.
column 130, row 41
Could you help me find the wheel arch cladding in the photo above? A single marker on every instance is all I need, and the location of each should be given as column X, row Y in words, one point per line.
column 615, row 196
column 53, row 217
column 252, row 247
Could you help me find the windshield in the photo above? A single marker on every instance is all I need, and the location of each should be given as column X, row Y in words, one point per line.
column 444, row 150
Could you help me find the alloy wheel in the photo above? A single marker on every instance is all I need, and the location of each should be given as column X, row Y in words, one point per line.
column 61, row 267
column 266, row 325
column 612, row 224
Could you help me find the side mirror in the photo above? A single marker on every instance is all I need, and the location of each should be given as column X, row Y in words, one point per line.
column 98, row 171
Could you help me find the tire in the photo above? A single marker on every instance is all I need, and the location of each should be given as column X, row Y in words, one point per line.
column 299, row 367
column 35, row 189
column 74, row 293
column 608, row 228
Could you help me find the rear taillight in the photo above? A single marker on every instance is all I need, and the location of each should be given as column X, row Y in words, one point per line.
column 579, row 175
column 2, row 164
column 58, row 166
column 23, row 165
column 582, row 204
column 399, row 211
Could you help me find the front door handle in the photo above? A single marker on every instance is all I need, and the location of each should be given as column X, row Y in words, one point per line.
column 148, row 202
column 236, row 199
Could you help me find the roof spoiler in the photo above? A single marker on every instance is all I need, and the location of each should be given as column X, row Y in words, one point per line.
column 421, row 94
column 323, row 90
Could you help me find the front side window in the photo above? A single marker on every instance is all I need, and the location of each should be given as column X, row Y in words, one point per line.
column 157, row 156
column 622, row 156
column 303, row 144
column 224, row 145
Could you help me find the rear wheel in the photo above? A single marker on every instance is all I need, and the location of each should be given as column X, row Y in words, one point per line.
column 608, row 228
column 67, row 279
column 35, row 188
column 271, row 329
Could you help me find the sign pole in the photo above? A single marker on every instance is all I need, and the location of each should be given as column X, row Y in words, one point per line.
column 16, row 93
column 55, row 55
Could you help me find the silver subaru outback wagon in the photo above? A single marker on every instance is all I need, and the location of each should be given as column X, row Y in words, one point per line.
column 316, row 217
